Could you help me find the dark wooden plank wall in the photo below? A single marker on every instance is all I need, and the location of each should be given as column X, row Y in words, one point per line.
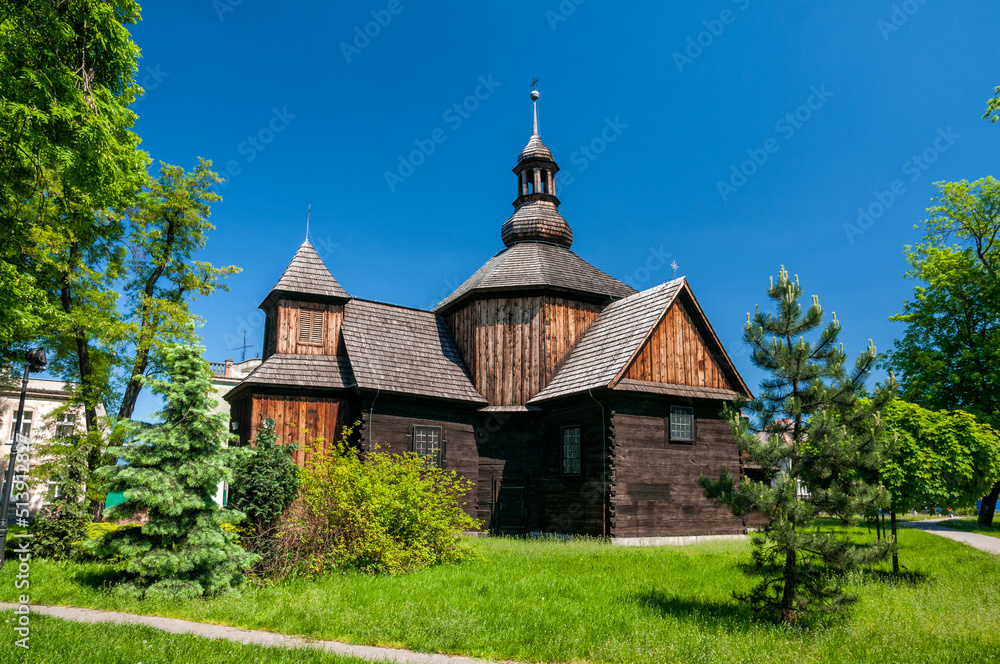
column 524, row 451
column 656, row 490
column 390, row 427
column 676, row 352
column 287, row 328
column 514, row 346
column 574, row 504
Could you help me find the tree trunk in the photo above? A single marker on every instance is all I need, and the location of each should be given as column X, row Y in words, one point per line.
column 89, row 392
column 895, row 554
column 989, row 506
column 788, row 593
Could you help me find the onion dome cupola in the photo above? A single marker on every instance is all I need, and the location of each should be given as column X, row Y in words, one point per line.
column 536, row 215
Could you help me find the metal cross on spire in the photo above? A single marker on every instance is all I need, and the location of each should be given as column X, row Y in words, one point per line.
column 674, row 265
column 534, row 82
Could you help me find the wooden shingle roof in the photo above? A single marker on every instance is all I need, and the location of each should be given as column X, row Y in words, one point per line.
column 407, row 351
column 611, row 341
column 538, row 266
column 318, row 372
column 307, row 275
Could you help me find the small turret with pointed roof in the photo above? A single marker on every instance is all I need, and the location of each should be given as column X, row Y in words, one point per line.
column 307, row 278
column 536, row 215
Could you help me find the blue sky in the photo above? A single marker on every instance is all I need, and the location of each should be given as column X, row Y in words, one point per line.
column 730, row 136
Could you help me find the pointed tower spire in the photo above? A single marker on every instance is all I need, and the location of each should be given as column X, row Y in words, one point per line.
column 308, row 278
column 534, row 121
column 308, row 210
column 536, row 215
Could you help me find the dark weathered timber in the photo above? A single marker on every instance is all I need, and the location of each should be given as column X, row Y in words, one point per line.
column 656, row 490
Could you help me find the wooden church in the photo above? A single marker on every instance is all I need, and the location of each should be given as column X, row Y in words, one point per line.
column 574, row 403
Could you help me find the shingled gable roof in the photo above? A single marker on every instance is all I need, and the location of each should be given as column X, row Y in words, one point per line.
column 307, row 275
column 407, row 351
column 611, row 343
column 538, row 266
column 320, row 372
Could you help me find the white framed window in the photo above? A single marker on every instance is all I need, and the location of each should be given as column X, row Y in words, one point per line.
column 25, row 425
column 571, row 450
column 65, row 425
column 55, row 491
column 427, row 443
column 311, row 327
column 682, row 424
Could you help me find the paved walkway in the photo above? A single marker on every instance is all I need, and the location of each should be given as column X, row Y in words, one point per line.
column 255, row 637
column 975, row 540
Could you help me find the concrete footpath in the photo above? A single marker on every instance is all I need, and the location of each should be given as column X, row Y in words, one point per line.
column 975, row 540
column 254, row 637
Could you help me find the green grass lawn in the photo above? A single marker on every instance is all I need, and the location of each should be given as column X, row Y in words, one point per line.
column 587, row 601
column 970, row 525
column 55, row 641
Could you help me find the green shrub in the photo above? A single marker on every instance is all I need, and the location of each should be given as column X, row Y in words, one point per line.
column 378, row 513
column 58, row 537
column 265, row 482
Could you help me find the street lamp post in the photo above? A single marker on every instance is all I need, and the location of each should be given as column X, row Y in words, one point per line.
column 36, row 361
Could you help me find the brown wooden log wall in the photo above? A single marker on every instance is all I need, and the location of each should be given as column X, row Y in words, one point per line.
column 514, row 346
column 655, row 483
column 286, row 328
column 521, row 485
column 298, row 419
column 676, row 352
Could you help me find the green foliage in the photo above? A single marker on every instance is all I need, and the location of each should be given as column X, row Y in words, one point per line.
column 993, row 106
column 819, row 445
column 378, row 513
column 60, row 527
column 172, row 474
column 265, row 479
column 167, row 225
column 949, row 356
column 66, row 145
column 943, row 459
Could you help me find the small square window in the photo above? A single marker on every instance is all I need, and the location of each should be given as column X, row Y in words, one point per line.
column 571, row 450
column 427, row 443
column 311, row 327
column 682, row 424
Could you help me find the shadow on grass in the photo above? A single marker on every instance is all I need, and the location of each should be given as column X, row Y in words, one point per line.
column 731, row 613
column 99, row 579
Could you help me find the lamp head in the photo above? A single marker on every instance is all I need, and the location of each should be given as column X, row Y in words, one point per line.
column 36, row 360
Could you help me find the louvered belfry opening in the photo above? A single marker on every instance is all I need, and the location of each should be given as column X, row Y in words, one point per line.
column 310, row 327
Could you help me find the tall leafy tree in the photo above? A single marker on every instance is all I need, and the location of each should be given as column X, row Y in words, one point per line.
column 172, row 472
column 817, row 441
column 949, row 355
column 66, row 142
column 168, row 225
column 942, row 459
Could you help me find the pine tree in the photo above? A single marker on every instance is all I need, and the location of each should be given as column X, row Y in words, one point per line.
column 172, row 471
column 819, row 443
column 265, row 481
